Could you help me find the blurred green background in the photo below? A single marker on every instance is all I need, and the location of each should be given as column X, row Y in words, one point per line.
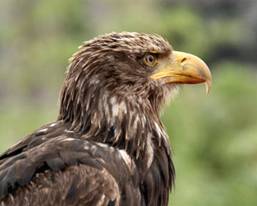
column 214, row 137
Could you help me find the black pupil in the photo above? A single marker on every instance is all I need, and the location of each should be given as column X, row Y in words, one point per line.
column 150, row 58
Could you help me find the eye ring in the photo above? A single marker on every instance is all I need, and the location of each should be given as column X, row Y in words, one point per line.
column 150, row 60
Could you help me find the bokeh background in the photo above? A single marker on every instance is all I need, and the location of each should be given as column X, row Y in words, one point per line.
column 214, row 137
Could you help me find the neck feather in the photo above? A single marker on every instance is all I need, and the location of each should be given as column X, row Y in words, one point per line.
column 126, row 122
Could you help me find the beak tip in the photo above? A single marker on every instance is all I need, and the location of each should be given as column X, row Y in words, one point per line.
column 208, row 86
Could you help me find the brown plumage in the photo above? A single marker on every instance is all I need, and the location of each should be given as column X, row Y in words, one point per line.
column 108, row 146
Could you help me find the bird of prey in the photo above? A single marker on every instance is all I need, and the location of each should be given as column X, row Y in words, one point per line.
column 108, row 146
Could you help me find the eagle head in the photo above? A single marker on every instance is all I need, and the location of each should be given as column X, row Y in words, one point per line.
column 124, row 77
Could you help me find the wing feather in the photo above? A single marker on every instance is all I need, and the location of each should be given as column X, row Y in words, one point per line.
column 67, row 171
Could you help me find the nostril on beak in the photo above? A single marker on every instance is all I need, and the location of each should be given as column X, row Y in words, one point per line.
column 184, row 59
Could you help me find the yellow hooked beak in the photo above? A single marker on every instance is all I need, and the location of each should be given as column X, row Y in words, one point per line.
column 183, row 68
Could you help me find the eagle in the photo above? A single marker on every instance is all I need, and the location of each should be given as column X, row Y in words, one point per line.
column 108, row 146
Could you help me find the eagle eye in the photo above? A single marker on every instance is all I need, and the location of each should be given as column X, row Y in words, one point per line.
column 150, row 60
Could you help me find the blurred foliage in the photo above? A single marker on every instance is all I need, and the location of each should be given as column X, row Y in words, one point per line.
column 214, row 137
